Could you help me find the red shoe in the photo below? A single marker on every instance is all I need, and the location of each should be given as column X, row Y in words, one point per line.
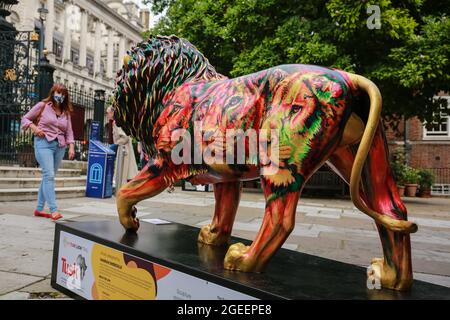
column 38, row 213
column 55, row 216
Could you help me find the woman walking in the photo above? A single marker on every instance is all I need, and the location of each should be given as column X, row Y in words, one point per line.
column 51, row 124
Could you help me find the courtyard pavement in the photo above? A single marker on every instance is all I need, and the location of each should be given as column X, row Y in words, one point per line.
column 330, row 228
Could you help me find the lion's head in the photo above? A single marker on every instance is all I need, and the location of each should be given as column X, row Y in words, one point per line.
column 151, row 70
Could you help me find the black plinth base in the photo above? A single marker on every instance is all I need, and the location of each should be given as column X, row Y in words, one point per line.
column 103, row 253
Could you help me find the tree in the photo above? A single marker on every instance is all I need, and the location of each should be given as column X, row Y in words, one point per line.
column 407, row 57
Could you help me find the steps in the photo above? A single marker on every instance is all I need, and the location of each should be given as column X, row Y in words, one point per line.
column 18, row 172
column 77, row 165
column 31, row 193
column 19, row 184
column 26, row 183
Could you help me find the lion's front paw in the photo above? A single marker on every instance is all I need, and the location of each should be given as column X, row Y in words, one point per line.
column 238, row 259
column 212, row 236
column 380, row 274
column 130, row 220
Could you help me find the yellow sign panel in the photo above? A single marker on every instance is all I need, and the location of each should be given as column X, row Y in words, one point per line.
column 117, row 280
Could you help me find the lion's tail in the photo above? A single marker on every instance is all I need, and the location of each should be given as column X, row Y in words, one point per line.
column 373, row 120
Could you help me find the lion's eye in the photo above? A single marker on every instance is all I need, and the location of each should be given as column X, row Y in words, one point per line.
column 296, row 108
column 234, row 100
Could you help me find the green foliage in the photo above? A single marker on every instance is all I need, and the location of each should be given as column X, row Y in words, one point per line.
column 426, row 179
column 408, row 57
column 398, row 166
column 411, row 175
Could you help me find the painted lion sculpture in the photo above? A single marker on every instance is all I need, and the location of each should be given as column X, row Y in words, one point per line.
column 321, row 116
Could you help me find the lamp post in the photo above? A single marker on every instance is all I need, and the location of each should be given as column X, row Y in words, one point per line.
column 99, row 109
column 43, row 11
column 45, row 69
column 5, row 7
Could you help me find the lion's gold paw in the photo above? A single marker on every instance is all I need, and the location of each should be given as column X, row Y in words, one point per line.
column 211, row 236
column 237, row 258
column 380, row 274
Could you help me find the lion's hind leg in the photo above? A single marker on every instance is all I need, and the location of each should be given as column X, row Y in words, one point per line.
column 394, row 270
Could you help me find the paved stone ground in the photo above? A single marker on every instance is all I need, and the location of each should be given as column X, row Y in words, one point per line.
column 331, row 228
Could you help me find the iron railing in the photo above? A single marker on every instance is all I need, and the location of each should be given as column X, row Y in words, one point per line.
column 442, row 175
column 83, row 103
column 18, row 58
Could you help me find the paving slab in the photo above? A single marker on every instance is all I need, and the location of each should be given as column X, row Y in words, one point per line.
column 27, row 244
column 42, row 287
column 436, row 279
column 16, row 295
column 11, row 281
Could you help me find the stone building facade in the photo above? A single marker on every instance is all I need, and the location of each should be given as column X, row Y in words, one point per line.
column 86, row 39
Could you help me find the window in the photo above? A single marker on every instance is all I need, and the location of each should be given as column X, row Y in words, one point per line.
column 75, row 56
column 57, row 49
column 116, row 64
column 439, row 130
column 440, row 189
column 102, row 68
column 90, row 64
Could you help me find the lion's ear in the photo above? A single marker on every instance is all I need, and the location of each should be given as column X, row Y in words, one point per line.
column 325, row 88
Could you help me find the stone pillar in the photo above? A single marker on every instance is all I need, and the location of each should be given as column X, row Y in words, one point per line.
column 50, row 25
column 67, row 33
column 83, row 37
column 122, row 49
column 45, row 78
column 98, row 46
column 110, row 53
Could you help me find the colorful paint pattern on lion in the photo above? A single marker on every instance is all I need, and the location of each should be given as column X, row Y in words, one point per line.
column 321, row 115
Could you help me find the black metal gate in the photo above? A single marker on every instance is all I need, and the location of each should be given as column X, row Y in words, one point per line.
column 18, row 58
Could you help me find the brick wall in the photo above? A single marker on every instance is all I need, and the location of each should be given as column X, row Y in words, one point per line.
column 415, row 130
column 430, row 154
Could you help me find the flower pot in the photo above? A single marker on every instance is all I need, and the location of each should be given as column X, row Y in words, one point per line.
column 401, row 191
column 410, row 190
column 425, row 193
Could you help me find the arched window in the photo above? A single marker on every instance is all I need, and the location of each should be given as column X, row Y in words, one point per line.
column 96, row 174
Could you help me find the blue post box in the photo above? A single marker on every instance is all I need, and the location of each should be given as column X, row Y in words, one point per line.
column 100, row 170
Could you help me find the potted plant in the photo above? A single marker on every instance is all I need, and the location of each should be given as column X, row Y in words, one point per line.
column 411, row 181
column 426, row 180
column 398, row 169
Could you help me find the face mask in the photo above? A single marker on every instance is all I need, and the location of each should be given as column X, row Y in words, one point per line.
column 59, row 98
